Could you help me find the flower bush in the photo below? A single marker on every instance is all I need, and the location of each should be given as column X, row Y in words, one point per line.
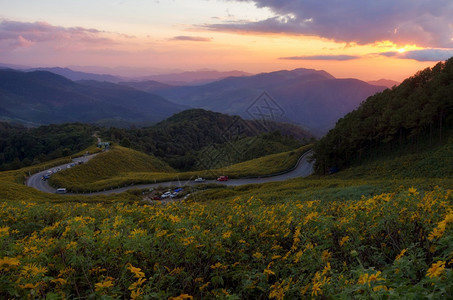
column 390, row 245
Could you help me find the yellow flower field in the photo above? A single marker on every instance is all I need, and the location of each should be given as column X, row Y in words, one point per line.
column 393, row 245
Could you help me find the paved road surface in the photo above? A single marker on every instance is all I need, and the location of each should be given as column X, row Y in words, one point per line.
column 304, row 168
column 35, row 181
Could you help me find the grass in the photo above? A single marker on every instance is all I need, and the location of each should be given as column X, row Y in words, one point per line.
column 123, row 167
column 434, row 162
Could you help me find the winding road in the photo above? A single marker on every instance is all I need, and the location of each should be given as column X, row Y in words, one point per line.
column 303, row 168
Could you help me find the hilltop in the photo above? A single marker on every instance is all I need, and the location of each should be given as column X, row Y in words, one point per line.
column 193, row 135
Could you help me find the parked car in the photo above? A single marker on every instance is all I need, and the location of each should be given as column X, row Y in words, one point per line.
column 61, row 191
column 166, row 195
column 222, row 178
column 200, row 179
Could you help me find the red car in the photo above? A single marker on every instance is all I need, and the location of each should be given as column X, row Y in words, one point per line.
column 222, row 178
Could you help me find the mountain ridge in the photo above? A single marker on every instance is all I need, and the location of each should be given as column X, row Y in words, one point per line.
column 43, row 97
column 310, row 98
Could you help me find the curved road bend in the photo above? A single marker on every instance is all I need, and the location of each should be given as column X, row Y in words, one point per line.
column 304, row 168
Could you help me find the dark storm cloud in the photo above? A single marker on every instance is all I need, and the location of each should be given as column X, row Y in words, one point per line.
column 427, row 23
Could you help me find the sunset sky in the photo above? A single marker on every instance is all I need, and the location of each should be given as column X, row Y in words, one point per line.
column 369, row 40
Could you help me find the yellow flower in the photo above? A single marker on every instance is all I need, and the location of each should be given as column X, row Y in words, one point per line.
column 325, row 255
column 204, row 286
column 137, row 284
column 181, row 297
column 137, row 271
column 227, row 234
column 268, row 272
column 327, row 268
column 436, row 269
column 367, row 278
column 71, row 245
column 161, row 233
column 136, row 293
column 398, row 257
column 7, row 263
column 103, row 285
column 257, row 255
column 29, row 285
column 59, row 281
column 278, row 290
column 219, row 265
column 4, row 231
column 316, row 289
column 136, row 232
column 174, row 219
column 32, row 270
column 413, row 191
column 344, row 240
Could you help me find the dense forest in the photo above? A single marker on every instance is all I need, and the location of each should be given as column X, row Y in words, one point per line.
column 179, row 139
column 182, row 140
column 21, row 146
column 410, row 117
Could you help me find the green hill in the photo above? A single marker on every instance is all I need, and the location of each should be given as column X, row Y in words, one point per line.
column 407, row 119
column 109, row 164
column 181, row 139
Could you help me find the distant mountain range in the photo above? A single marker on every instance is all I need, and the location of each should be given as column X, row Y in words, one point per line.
column 75, row 75
column 384, row 82
column 310, row 98
column 42, row 97
column 194, row 78
column 175, row 78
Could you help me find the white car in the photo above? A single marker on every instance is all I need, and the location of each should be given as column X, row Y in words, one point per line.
column 166, row 195
column 200, row 179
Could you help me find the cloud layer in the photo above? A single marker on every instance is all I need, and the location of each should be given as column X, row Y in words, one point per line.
column 426, row 23
column 191, row 38
column 422, row 55
column 23, row 35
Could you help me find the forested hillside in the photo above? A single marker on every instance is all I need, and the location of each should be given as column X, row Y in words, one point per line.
column 20, row 146
column 178, row 139
column 411, row 117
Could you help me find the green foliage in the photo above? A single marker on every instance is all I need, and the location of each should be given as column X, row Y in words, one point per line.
column 433, row 162
column 408, row 117
column 184, row 138
column 391, row 245
column 21, row 147
column 244, row 149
